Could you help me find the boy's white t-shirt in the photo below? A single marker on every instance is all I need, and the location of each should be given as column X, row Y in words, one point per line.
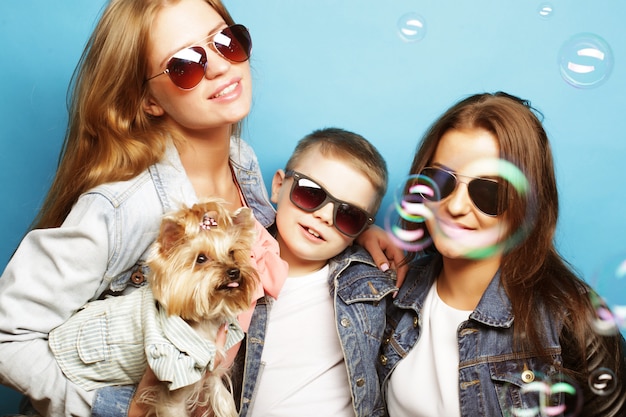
column 303, row 372
column 426, row 382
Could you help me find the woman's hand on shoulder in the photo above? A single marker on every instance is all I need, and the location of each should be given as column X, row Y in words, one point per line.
column 384, row 253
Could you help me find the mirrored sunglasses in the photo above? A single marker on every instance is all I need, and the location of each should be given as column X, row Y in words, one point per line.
column 308, row 195
column 483, row 192
column 187, row 67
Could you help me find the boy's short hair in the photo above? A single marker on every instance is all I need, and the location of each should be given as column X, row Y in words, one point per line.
column 350, row 147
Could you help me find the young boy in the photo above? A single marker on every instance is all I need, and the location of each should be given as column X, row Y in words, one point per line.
column 312, row 351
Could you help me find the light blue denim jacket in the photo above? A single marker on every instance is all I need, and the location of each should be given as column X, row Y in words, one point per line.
column 360, row 291
column 491, row 371
column 101, row 244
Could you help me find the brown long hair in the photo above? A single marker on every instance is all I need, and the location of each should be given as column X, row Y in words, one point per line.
column 532, row 272
column 109, row 136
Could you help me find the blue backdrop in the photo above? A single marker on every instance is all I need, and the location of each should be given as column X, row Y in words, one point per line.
column 382, row 69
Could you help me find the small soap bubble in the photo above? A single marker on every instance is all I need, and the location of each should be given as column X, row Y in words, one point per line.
column 412, row 27
column 545, row 10
column 556, row 395
column 585, row 60
column 405, row 220
column 497, row 239
column 604, row 323
column 610, row 284
column 602, row 381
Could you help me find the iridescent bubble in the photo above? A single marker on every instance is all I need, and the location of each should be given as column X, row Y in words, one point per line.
column 585, row 60
column 405, row 219
column 602, row 381
column 604, row 323
column 610, row 283
column 557, row 395
column 497, row 239
column 563, row 397
column 545, row 10
column 412, row 27
column 416, row 200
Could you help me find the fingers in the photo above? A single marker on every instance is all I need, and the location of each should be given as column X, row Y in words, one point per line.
column 401, row 272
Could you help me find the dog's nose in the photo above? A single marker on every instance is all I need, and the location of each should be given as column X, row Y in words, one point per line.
column 233, row 274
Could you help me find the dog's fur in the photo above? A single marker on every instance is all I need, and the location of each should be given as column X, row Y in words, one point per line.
column 201, row 271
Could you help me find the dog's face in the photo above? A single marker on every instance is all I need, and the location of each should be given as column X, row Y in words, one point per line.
column 200, row 264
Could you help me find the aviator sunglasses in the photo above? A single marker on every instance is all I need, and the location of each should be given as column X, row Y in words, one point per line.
column 186, row 67
column 308, row 195
column 483, row 192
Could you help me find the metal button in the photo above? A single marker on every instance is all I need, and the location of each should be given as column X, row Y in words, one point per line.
column 137, row 277
column 383, row 360
column 528, row 376
column 360, row 382
column 345, row 322
column 415, row 321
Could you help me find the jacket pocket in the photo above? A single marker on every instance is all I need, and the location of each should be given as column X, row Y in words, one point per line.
column 91, row 341
column 530, row 387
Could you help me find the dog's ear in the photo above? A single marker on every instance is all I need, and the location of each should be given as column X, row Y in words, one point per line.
column 172, row 233
column 243, row 217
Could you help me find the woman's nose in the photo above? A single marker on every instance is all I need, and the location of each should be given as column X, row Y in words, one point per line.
column 459, row 202
column 216, row 64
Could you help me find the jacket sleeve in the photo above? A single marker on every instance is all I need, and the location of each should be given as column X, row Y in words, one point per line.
column 51, row 275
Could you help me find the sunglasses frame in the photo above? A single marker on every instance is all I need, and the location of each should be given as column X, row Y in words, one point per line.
column 337, row 203
column 208, row 41
column 457, row 180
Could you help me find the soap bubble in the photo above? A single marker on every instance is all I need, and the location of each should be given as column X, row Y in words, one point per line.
column 417, row 199
column 487, row 242
column 412, row 27
column 545, row 10
column 602, row 381
column 585, row 60
column 405, row 219
column 555, row 395
column 610, row 302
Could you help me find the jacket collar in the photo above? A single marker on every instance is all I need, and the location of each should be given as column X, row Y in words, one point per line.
column 494, row 308
column 363, row 281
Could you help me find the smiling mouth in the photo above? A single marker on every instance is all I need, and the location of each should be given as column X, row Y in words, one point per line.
column 453, row 230
column 313, row 232
column 227, row 90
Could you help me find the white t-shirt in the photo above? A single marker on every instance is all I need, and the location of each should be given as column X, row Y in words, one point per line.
column 303, row 371
column 426, row 382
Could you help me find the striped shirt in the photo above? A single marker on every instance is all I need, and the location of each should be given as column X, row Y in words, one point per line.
column 110, row 342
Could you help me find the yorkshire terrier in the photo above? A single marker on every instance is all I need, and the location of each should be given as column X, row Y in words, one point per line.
column 202, row 278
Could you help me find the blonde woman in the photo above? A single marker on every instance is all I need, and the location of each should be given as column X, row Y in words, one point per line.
column 157, row 101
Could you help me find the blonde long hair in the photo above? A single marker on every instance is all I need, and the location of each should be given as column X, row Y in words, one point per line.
column 109, row 136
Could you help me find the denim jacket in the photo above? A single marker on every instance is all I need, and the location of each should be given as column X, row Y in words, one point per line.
column 492, row 374
column 100, row 249
column 360, row 292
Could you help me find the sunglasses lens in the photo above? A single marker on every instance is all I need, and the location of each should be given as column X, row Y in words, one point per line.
column 484, row 194
column 307, row 195
column 443, row 180
column 234, row 43
column 350, row 220
column 186, row 68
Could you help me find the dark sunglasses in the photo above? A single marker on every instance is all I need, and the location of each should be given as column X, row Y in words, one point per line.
column 308, row 195
column 186, row 67
column 483, row 192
